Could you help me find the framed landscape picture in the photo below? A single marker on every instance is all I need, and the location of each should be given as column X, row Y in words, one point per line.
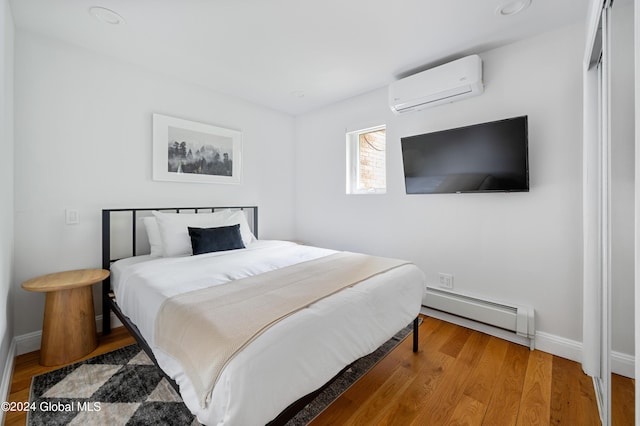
column 187, row 151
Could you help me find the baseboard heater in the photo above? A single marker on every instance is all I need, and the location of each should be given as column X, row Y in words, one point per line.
column 510, row 322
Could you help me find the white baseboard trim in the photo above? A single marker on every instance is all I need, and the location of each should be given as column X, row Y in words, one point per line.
column 559, row 346
column 622, row 364
column 30, row 342
column 7, row 373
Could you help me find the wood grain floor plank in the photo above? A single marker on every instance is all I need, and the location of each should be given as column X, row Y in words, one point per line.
column 587, row 410
column 505, row 400
column 421, row 388
column 482, row 381
column 456, row 342
column 535, row 405
column 468, row 412
column 580, row 407
column 623, row 396
column 440, row 407
column 377, row 404
column 564, row 382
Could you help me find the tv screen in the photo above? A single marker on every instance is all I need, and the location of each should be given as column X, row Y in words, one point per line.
column 487, row 157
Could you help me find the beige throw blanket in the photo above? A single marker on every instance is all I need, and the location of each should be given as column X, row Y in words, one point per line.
column 204, row 329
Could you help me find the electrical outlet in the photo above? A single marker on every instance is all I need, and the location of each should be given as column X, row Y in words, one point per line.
column 72, row 216
column 446, row 280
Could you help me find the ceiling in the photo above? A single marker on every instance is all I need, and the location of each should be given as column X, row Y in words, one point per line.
column 292, row 55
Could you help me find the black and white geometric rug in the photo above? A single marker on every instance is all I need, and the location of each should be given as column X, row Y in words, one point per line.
column 124, row 387
column 119, row 387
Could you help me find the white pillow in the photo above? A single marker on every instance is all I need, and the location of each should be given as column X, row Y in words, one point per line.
column 174, row 233
column 153, row 232
column 239, row 217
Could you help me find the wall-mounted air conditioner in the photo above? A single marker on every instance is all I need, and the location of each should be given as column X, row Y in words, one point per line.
column 450, row 82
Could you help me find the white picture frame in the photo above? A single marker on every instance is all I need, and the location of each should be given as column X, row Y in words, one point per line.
column 188, row 151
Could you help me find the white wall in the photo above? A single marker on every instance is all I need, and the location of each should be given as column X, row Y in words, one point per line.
column 622, row 177
column 523, row 247
column 6, row 192
column 83, row 140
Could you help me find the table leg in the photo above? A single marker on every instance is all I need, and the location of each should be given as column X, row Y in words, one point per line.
column 69, row 328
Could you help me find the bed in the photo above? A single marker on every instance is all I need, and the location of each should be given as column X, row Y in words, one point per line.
column 273, row 372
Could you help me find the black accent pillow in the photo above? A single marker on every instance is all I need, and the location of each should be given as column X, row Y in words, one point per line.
column 208, row 240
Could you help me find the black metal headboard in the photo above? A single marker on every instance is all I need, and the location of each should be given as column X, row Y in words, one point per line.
column 107, row 303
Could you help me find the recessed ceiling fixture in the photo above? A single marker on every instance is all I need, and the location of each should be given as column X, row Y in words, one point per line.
column 513, row 7
column 105, row 15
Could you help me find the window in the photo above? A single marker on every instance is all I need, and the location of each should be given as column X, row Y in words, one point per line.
column 366, row 161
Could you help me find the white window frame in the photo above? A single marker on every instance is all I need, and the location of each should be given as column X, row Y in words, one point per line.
column 353, row 162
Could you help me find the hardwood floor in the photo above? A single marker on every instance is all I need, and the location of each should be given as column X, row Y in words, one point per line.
column 459, row 377
column 462, row 377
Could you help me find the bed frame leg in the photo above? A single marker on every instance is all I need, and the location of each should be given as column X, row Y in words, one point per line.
column 106, row 309
column 415, row 335
column 106, row 264
column 106, row 321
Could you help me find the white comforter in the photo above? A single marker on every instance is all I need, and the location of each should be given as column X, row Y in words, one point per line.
column 295, row 356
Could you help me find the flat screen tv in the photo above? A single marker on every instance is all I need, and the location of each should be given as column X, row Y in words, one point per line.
column 487, row 157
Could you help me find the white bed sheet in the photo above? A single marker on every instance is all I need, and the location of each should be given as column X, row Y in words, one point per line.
column 292, row 358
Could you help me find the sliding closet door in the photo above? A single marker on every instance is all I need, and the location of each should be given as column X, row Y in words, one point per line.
column 592, row 219
column 597, row 208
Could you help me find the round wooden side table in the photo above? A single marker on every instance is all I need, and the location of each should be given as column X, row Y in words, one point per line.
column 69, row 326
